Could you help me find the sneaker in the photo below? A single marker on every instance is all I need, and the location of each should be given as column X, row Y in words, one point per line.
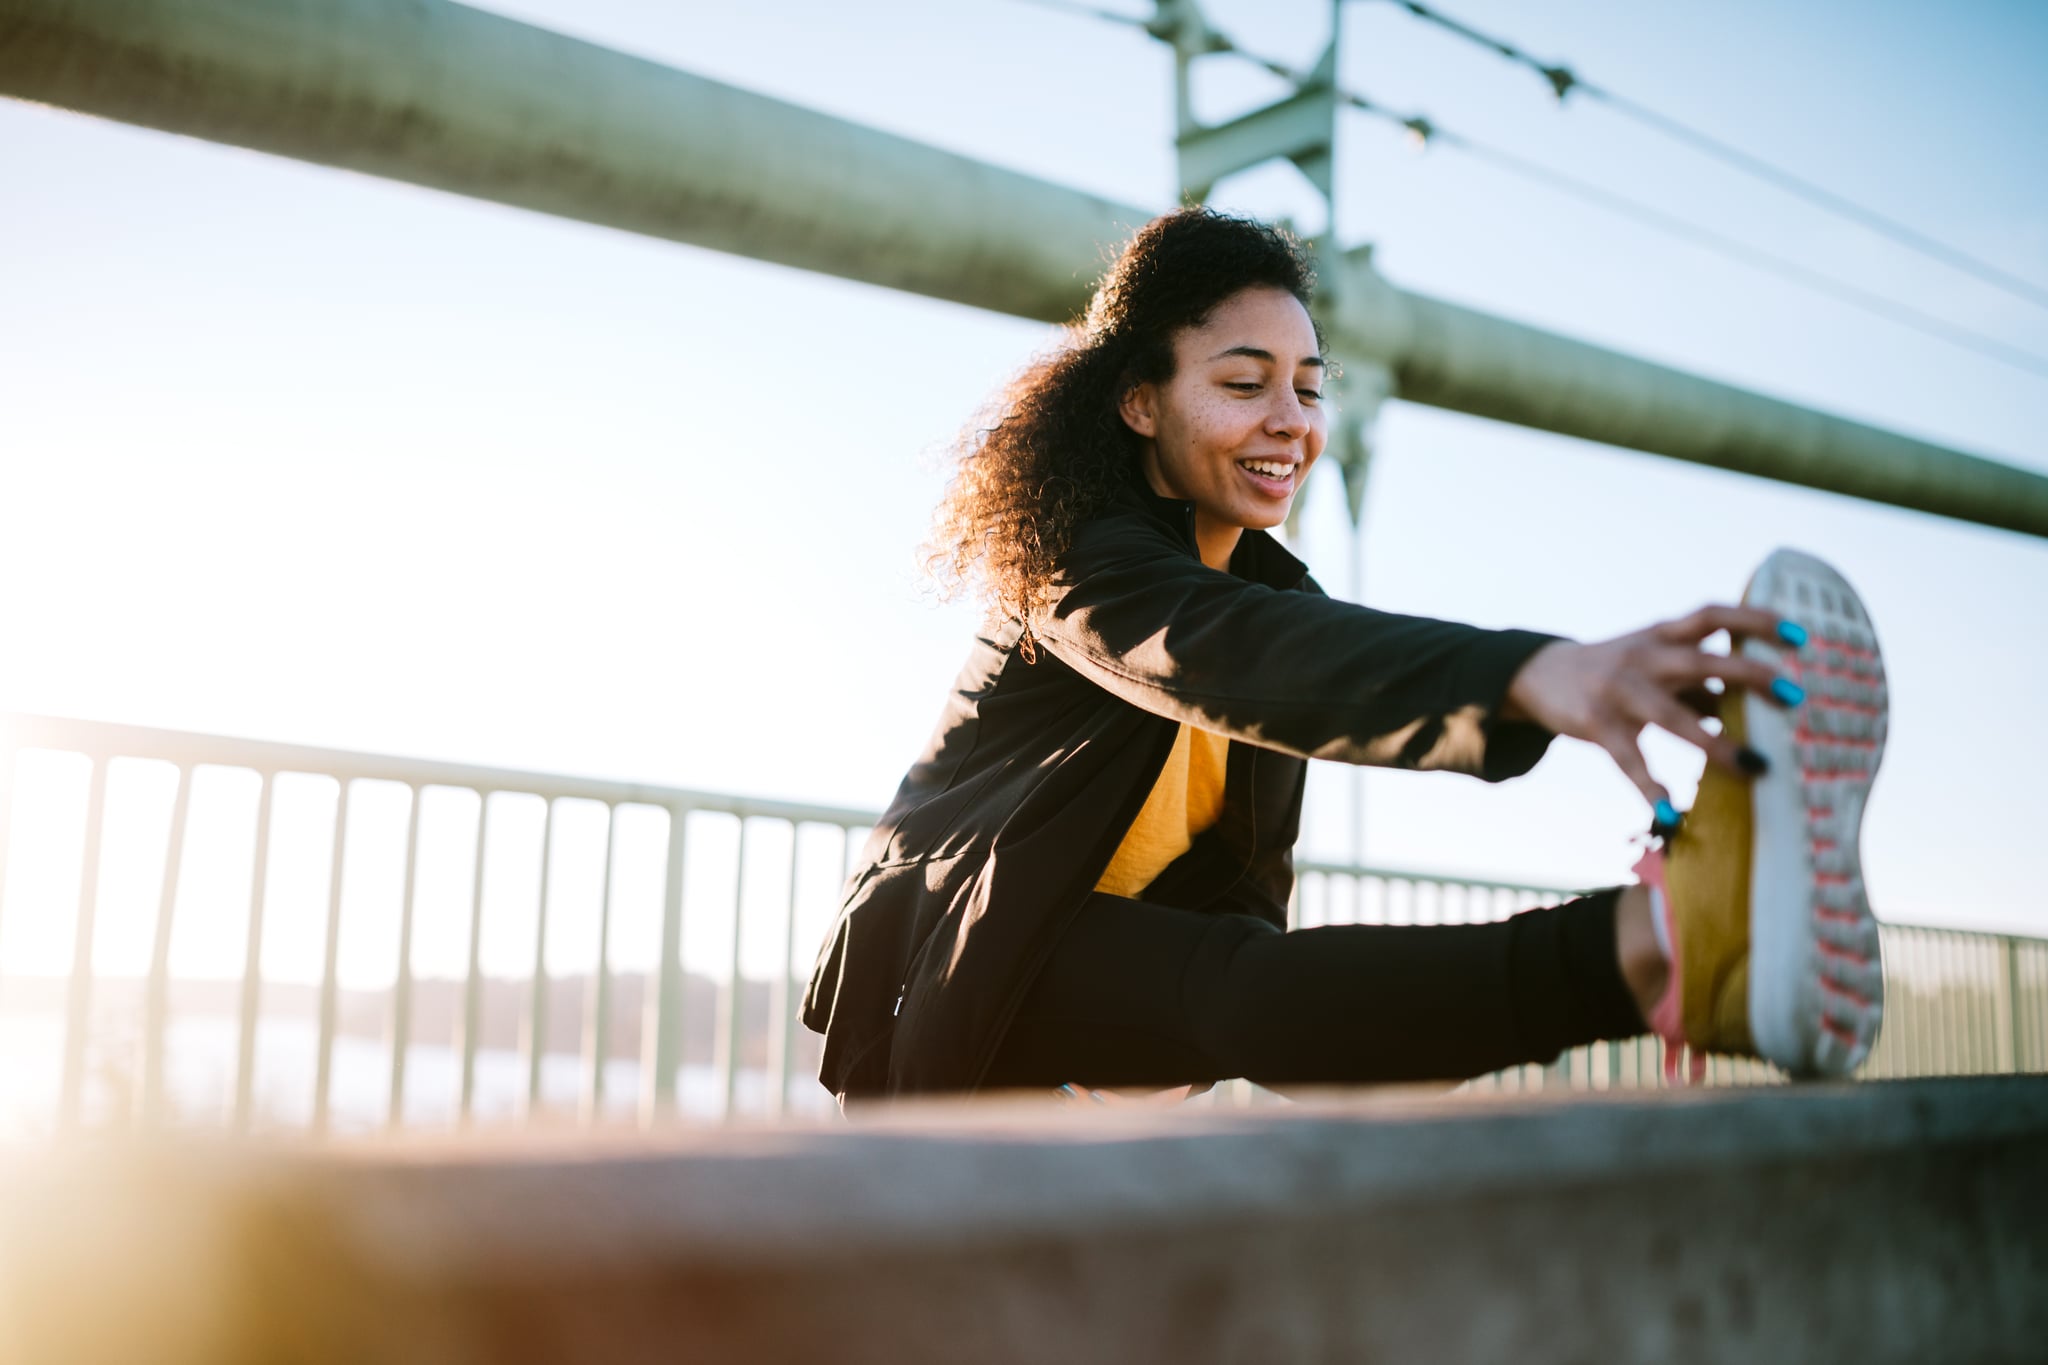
column 1774, row 951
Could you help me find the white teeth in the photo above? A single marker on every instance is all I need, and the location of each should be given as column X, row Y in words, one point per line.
column 1272, row 469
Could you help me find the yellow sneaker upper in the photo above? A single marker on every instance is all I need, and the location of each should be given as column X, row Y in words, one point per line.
column 1706, row 884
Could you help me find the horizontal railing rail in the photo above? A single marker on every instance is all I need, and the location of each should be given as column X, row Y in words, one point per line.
column 1958, row 1001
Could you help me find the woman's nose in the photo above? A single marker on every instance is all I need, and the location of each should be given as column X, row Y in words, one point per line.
column 1288, row 417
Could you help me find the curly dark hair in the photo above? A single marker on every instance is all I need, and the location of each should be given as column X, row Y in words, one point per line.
column 1049, row 449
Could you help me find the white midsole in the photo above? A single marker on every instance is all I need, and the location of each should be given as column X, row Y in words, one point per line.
column 1810, row 917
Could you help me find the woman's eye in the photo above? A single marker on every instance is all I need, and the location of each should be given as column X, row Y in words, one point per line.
column 1252, row 386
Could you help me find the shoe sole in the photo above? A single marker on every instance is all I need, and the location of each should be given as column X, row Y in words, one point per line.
column 1816, row 972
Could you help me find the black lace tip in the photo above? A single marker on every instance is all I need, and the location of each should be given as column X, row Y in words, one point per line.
column 1664, row 818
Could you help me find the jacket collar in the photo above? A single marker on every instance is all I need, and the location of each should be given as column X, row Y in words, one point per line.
column 1258, row 557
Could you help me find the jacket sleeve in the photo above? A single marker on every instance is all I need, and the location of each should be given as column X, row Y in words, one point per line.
column 1296, row 671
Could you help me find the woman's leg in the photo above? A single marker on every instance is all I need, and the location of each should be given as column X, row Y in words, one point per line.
column 1146, row 995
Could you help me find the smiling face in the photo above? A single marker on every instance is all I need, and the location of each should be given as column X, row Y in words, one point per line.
column 1237, row 428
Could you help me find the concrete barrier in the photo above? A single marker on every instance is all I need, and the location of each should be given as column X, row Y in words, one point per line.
column 1887, row 1221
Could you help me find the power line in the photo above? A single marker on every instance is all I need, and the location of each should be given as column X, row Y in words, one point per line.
column 1426, row 131
column 1900, row 313
column 1563, row 81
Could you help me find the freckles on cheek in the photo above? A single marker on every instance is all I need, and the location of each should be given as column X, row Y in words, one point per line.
column 1229, row 424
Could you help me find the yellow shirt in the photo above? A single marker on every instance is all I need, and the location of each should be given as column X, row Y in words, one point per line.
column 1187, row 799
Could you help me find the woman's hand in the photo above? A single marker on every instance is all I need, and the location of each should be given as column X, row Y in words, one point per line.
column 1608, row 692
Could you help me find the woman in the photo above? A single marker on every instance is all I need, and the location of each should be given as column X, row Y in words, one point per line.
column 1084, row 877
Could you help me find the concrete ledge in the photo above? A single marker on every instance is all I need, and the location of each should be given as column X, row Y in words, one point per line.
column 1886, row 1221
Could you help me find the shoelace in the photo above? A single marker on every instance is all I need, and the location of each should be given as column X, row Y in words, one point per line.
column 1695, row 1063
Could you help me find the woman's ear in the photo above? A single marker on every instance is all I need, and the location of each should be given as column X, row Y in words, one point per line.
column 1137, row 407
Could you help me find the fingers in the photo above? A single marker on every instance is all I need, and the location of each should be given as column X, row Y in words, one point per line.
column 1678, row 716
column 1667, row 714
column 1660, row 676
column 1622, row 747
column 1701, row 700
column 1698, row 625
column 1682, row 668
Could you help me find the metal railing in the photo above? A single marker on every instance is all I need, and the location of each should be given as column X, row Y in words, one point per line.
column 1957, row 1001
column 110, row 748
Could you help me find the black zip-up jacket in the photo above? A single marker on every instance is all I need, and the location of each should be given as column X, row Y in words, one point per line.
column 1002, row 827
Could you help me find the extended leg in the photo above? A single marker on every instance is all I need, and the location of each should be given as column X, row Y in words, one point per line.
column 1146, row 995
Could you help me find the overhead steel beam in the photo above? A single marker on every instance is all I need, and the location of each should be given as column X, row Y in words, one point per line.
column 455, row 98
column 1453, row 357
column 442, row 95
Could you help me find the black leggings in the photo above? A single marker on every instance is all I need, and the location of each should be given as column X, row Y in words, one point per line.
column 1145, row 995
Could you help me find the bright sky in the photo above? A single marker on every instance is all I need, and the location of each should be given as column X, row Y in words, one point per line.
column 298, row 454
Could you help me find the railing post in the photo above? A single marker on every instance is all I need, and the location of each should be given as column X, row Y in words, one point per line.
column 535, row 1044
column 78, row 1011
column 662, row 1016
column 1911, row 966
column 2009, row 1016
column 330, row 966
column 2031, row 960
column 779, row 1007
column 728, row 1049
column 1966, row 1004
column 156, row 1006
column 472, row 981
column 1976, row 1043
column 2034, row 1005
column 598, row 1004
column 252, row 957
column 401, row 985
column 1955, row 1037
column 1926, row 1027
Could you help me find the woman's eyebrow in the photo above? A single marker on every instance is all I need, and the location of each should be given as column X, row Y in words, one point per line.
column 1257, row 354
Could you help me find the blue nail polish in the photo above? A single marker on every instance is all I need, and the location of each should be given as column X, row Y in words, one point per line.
column 1667, row 814
column 1792, row 633
column 1787, row 691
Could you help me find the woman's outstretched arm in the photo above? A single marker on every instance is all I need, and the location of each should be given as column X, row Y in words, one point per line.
column 1137, row 614
column 1300, row 672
